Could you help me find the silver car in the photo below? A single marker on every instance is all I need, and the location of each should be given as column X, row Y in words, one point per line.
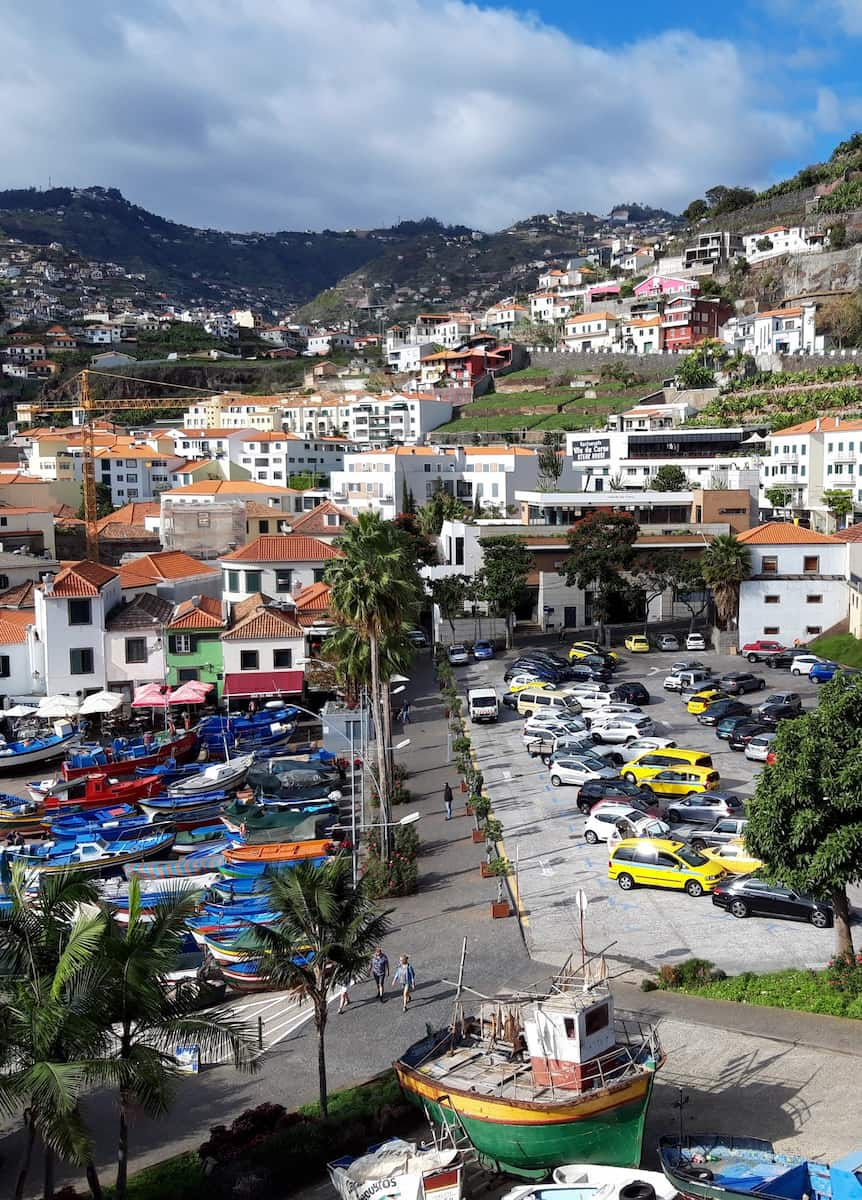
column 758, row 747
column 578, row 768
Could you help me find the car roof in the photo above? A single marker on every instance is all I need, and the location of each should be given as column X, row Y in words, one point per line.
column 659, row 843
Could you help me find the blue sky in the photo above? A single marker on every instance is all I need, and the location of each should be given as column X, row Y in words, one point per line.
column 294, row 114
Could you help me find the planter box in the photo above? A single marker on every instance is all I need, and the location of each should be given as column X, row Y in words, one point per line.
column 478, row 836
column 500, row 910
column 485, row 871
column 468, row 809
column 464, row 787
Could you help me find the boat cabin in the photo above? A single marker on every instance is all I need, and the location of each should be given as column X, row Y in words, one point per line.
column 566, row 1036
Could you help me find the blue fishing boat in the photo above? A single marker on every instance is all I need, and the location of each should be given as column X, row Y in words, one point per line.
column 192, row 865
column 31, row 751
column 233, row 885
column 712, row 1166
column 51, row 857
column 98, row 822
column 204, row 804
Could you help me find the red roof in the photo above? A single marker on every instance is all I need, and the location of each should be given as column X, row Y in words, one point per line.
column 782, row 533
column 263, row 683
column 264, row 622
column 82, row 579
column 205, row 613
column 314, row 598
column 154, row 568
column 283, row 547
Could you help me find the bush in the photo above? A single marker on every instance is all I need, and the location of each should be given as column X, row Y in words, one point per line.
column 844, row 973
column 692, row 972
column 649, row 985
column 179, row 1178
column 400, row 875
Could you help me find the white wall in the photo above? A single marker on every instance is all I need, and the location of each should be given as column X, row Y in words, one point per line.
column 117, row 670
column 241, row 587
column 232, row 651
column 59, row 637
column 794, row 618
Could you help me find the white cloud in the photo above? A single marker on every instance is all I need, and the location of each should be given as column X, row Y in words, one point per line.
column 306, row 113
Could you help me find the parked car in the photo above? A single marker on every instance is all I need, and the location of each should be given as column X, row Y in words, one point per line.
column 758, row 747
column 596, row 791
column 695, row 641
column 603, row 825
column 544, row 723
column 723, row 708
column 781, row 661
column 700, row 701
column 584, row 672
column 736, row 683
column 690, row 664
column 667, row 641
column 751, row 896
column 418, row 637
column 741, row 737
column 642, row 744
column 620, row 729
column 637, row 643
column 780, row 705
column 578, row 648
column 632, row 691
column 578, row 768
column 614, row 708
column 457, row 654
column 682, row 781
column 483, row 650
column 761, row 650
column 533, row 700
column 509, row 699
column 823, row 671
column 638, row 770
column 536, row 669
column 705, row 808
column 726, row 829
column 725, row 727
column 549, row 656
column 688, row 680
column 592, row 697
column 592, row 657
column 482, row 704
column 801, row 664
column 733, row 858
column 664, row 863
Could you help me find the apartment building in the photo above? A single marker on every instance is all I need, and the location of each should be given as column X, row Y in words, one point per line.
column 71, row 612
column 713, row 250
column 813, row 456
column 276, row 456
column 592, row 331
column 276, row 565
column 230, row 410
column 136, row 472
column 777, row 331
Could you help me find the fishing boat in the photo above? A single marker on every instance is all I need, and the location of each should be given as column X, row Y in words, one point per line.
column 93, row 820
column 235, row 947
column 235, row 885
column 398, row 1170
column 588, row 1181
column 51, row 857
column 534, row 1081
column 205, row 837
column 21, row 815
column 30, row 751
column 711, row 1166
column 259, row 823
column 92, row 791
column 280, row 855
column 185, row 811
column 217, row 777
column 245, row 976
column 127, row 755
column 200, row 866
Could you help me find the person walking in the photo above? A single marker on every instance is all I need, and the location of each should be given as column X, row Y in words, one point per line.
column 447, row 799
column 344, row 1001
column 379, row 971
column 406, row 977
column 479, row 783
column 405, row 713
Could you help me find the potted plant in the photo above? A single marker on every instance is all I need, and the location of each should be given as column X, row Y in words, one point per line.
column 493, row 830
column 461, row 744
column 501, row 868
column 481, row 809
column 472, row 800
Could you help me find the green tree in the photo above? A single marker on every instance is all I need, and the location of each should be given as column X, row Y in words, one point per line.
column 841, row 318
column 695, row 210
column 837, row 236
column 419, row 545
column 779, row 497
column 502, row 581
column 805, row 819
column 533, row 333
column 322, row 940
column 839, row 502
column 440, row 507
column 104, row 502
column 550, row 460
column 651, row 578
column 449, row 593
column 601, row 548
column 686, row 578
column 725, row 564
column 694, row 372
column 669, row 478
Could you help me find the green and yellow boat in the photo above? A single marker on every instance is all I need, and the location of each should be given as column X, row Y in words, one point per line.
column 534, row 1082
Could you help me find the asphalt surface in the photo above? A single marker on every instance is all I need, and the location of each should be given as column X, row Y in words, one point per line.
column 543, row 834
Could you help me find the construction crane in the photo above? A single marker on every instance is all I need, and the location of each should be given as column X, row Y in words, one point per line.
column 90, row 407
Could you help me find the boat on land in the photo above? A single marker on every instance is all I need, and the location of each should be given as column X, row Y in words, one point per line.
column 398, row 1170
column 589, row 1181
column 534, row 1081
column 204, row 837
column 30, row 751
column 279, row 855
column 52, row 857
column 201, row 866
column 259, row 823
column 217, row 777
column 91, row 791
column 185, row 811
column 126, row 756
column 712, row 1166
column 19, row 815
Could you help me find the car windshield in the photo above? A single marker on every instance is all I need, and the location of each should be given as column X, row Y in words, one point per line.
column 593, row 762
column 691, row 857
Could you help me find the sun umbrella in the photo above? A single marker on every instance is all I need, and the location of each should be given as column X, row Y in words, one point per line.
column 53, row 707
column 19, row 710
column 191, row 692
column 101, row 702
column 151, row 695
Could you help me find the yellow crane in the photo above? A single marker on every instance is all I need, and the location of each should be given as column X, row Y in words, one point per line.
column 90, row 409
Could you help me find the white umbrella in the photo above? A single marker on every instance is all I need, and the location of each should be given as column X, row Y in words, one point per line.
column 18, row 710
column 101, row 702
column 53, row 707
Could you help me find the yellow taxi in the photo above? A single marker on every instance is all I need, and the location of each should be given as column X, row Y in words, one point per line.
column 650, row 762
column 582, row 649
column 682, row 780
column 732, row 857
column 539, row 685
column 701, row 700
column 637, row 643
column 656, row 862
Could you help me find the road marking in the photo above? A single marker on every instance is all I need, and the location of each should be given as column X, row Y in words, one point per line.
column 545, row 869
column 507, row 775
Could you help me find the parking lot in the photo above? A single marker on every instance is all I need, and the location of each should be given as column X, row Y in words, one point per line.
column 543, row 833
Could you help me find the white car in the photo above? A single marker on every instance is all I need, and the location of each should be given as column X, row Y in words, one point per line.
column 666, row 641
column 602, row 825
column 621, row 730
column 617, row 708
column 578, row 768
column 458, row 655
column 642, row 744
column 695, row 641
column 594, row 699
column 758, row 747
column 803, row 663
column 546, row 724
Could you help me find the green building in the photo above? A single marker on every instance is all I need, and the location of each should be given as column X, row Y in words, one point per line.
column 194, row 649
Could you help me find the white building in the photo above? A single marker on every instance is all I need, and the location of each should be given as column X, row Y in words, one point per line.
column 781, row 239
column 777, row 331
column 798, row 584
column 136, row 472
column 369, row 419
column 502, row 317
column 547, row 308
column 275, row 457
column 327, row 340
column 277, row 565
column 210, row 443
column 441, row 329
column 407, row 357
column 265, row 638
column 71, row 611
column 813, row 456
column 134, row 643
column 592, row 331
column 228, row 410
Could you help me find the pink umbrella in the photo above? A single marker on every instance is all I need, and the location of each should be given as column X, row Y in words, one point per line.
column 152, row 695
column 191, row 692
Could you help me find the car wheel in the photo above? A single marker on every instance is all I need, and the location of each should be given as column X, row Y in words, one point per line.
column 761, row 685
column 698, row 844
column 694, row 888
column 796, row 672
column 819, row 919
column 626, row 882
column 591, row 836
column 752, row 658
column 597, row 737
column 739, row 909
column 673, row 815
column 555, row 780
column 630, row 777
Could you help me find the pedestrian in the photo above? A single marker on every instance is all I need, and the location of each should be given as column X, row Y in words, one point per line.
column 447, row 799
column 406, row 977
column 344, row 1001
column 405, row 713
column 479, row 783
column 379, row 971
column 562, row 634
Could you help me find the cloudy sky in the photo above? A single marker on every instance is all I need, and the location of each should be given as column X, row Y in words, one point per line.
column 293, row 114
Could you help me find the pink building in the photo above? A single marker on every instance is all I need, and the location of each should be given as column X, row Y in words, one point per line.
column 666, row 285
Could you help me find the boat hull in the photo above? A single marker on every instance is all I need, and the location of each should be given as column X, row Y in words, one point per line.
column 530, row 1139
column 181, row 750
column 40, row 754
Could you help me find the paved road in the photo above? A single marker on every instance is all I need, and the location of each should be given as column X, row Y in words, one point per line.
column 543, row 830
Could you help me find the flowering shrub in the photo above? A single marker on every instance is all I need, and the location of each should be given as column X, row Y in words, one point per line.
column 398, row 876
column 844, row 973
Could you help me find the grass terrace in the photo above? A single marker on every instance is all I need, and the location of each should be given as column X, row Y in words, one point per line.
column 842, row 648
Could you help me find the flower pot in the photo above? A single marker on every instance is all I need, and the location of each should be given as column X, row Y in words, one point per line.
column 468, row 809
column 478, row 836
column 500, row 909
column 446, row 713
column 485, row 871
column 464, row 787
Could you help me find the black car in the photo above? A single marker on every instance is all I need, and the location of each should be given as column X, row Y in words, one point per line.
column 582, row 672
column 538, row 670
column 723, row 708
column 780, row 706
column 555, row 660
column 748, row 895
column 735, row 683
column 742, row 734
column 510, row 699
column 594, row 790
column 781, row 661
column 631, row 693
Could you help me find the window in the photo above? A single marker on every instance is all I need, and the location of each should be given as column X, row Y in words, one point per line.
column 180, row 643
column 132, row 493
column 203, row 520
column 4, row 581
column 770, row 630
column 248, row 660
column 813, row 630
column 184, row 674
column 771, row 599
column 81, row 661
column 136, row 650
column 80, row 612
column 252, row 581
column 769, row 565
column 263, row 526
column 282, row 659
column 283, row 580
column 4, row 666
column 233, row 581
column 319, row 574
column 813, row 599
column 811, row 564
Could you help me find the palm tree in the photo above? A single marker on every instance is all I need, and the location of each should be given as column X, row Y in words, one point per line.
column 374, row 588
column 324, row 937
column 725, row 564
column 151, row 1019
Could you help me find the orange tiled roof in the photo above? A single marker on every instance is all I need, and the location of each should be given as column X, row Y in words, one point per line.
column 83, row 578
column 827, row 425
column 592, row 316
column 313, row 522
column 13, row 625
column 205, row 614
column 133, row 513
column 170, row 564
column 782, row 533
column 229, row 487
column 779, row 312
column 20, row 596
column 283, row 547
column 264, row 622
column 314, row 598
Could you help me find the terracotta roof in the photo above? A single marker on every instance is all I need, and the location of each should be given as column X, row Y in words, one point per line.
column 779, row 312
column 205, row 614
column 229, row 487
column 170, row 564
column 314, row 598
column 264, row 622
column 827, row 425
column 314, row 521
column 142, row 612
column 781, row 533
column 130, row 514
column 13, row 625
column 240, row 609
column 283, row 547
column 83, row 578
column 594, row 316
column 20, row 596
column 853, row 533
column 210, row 433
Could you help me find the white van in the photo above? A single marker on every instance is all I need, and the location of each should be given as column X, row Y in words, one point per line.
column 482, row 704
column 532, row 701
column 681, row 679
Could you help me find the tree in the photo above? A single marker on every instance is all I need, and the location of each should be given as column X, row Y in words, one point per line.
column 694, row 373
column 779, row 497
column 805, row 819
column 550, row 460
column 686, row 578
column 725, row 564
column 764, row 243
column 449, row 593
column 408, row 504
column 337, row 926
column 419, row 545
column 506, row 562
column 150, row 1018
column 601, row 548
column 652, row 578
column 837, row 236
column 104, row 502
column 533, row 333
column 695, row 210
column 841, row 318
column 840, row 504
column 439, row 508
column 669, row 478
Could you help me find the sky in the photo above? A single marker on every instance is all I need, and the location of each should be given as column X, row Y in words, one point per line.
column 307, row 114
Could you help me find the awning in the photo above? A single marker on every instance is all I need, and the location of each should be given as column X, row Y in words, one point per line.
column 258, row 684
